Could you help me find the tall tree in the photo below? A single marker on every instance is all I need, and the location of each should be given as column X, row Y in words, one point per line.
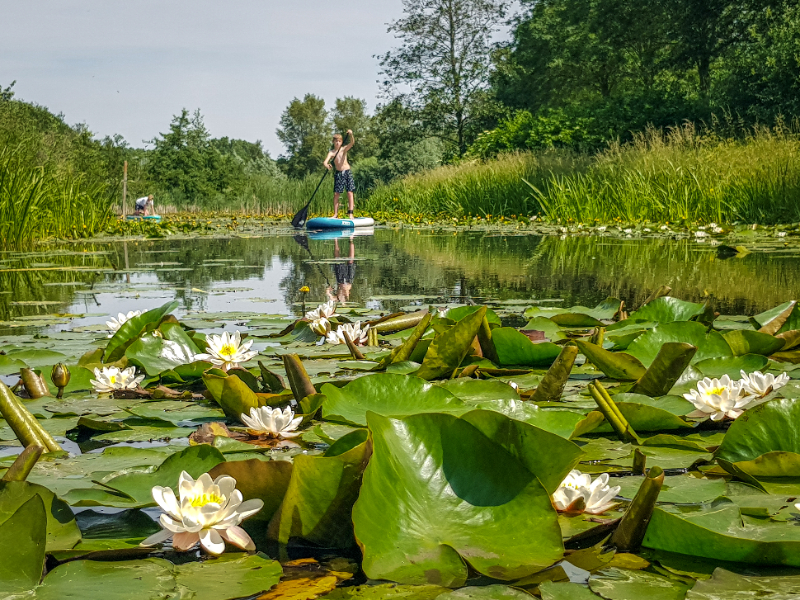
column 305, row 132
column 351, row 113
column 444, row 58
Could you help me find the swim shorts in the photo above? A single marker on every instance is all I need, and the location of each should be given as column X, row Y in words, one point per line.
column 345, row 272
column 343, row 182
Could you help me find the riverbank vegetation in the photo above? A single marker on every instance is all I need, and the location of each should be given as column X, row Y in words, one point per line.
column 591, row 110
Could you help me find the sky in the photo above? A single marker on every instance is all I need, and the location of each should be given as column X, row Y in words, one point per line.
column 128, row 67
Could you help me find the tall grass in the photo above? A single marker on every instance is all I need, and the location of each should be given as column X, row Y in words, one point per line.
column 494, row 187
column 262, row 195
column 675, row 175
column 41, row 202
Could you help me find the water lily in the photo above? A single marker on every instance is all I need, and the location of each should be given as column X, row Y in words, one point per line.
column 320, row 326
column 354, row 331
column 712, row 225
column 326, row 310
column 578, row 493
column 647, row 230
column 700, row 234
column 228, row 351
column 758, row 384
column 115, row 324
column 718, row 398
column 274, row 422
column 781, row 234
column 208, row 512
column 109, row 379
column 664, row 228
column 601, row 228
column 629, row 230
column 180, row 354
column 716, row 230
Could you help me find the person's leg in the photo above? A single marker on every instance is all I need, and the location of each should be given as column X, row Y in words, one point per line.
column 336, row 253
column 336, row 205
column 351, row 187
column 350, row 202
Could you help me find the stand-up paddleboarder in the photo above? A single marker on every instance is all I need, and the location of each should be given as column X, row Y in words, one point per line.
column 342, row 176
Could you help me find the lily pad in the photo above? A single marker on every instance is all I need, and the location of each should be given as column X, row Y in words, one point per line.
column 474, row 502
column 709, row 344
column 667, row 310
column 23, row 534
column 626, row 584
column 514, row 348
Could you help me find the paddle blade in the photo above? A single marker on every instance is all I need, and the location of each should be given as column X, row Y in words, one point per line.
column 301, row 217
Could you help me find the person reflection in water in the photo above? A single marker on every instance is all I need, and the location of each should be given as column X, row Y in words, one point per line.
column 345, row 273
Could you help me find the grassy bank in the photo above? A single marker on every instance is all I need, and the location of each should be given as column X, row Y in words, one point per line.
column 38, row 202
column 681, row 175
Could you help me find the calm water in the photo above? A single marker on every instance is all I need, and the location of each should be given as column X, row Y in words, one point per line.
column 390, row 270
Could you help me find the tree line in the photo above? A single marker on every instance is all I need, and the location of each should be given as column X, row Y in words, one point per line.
column 573, row 74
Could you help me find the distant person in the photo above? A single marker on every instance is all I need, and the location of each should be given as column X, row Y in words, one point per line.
column 342, row 176
column 144, row 206
column 345, row 273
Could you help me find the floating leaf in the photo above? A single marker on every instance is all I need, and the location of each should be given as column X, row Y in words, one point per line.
column 513, row 348
column 448, row 349
column 23, row 534
column 617, row 365
column 667, row 310
column 62, row 530
column 481, row 505
column 625, row 584
column 743, row 341
column 709, row 344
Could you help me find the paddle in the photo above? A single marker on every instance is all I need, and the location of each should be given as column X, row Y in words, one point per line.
column 300, row 218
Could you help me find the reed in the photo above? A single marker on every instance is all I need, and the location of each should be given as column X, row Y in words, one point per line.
column 43, row 202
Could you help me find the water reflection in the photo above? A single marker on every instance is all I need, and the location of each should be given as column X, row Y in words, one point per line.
column 390, row 269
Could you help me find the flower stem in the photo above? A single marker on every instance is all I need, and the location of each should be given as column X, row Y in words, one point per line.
column 612, row 413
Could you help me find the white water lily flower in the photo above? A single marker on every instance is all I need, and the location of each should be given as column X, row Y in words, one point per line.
column 718, row 398
column 272, row 421
column 712, row 225
column 664, row 227
column 629, row 230
column 700, row 234
column 326, row 310
column 702, row 228
column 115, row 324
column 357, row 335
column 758, row 384
column 208, row 512
column 320, row 326
column 109, row 379
column 578, row 493
column 647, row 230
column 781, row 234
column 228, row 351
column 180, row 354
column 601, row 228
column 716, row 229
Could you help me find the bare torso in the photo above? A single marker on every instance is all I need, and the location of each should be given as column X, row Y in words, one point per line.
column 340, row 161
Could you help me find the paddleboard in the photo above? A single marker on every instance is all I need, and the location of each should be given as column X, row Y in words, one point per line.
column 332, row 234
column 331, row 223
column 143, row 218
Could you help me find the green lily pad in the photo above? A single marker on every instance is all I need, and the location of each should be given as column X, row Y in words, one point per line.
column 481, row 505
column 617, row 365
column 386, row 394
column 763, row 441
column 195, row 460
column 731, row 366
column 626, row 584
column 551, row 590
column 720, row 534
column 709, row 344
column 514, row 348
column 724, row 585
column 62, row 530
column 319, row 500
column 266, row 480
column 743, row 341
column 448, row 349
column 132, row 329
column 667, row 310
column 23, row 533
column 685, row 489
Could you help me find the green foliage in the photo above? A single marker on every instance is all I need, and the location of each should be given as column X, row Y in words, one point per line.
column 305, row 131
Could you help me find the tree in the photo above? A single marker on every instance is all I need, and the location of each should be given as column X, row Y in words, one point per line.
column 305, row 132
column 444, row 58
column 351, row 113
column 185, row 161
column 404, row 146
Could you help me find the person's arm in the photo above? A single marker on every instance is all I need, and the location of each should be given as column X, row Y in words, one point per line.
column 352, row 141
column 326, row 162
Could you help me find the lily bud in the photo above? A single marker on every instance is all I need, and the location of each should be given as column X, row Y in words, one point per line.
column 60, row 376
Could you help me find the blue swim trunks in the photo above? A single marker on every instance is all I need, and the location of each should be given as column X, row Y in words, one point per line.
column 343, row 182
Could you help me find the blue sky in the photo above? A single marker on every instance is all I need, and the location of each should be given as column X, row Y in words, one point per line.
column 127, row 67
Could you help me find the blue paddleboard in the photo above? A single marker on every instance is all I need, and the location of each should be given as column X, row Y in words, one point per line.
column 332, row 234
column 331, row 223
column 143, row 218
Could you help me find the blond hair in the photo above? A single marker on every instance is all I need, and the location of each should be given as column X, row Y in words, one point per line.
column 337, row 136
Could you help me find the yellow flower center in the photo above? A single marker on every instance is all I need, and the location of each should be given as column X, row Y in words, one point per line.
column 112, row 379
column 227, row 350
column 717, row 390
column 204, row 499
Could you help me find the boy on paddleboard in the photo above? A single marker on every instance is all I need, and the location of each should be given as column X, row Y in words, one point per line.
column 342, row 177
column 144, row 206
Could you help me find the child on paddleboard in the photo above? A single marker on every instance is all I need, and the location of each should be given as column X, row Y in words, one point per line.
column 342, row 176
column 144, row 206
